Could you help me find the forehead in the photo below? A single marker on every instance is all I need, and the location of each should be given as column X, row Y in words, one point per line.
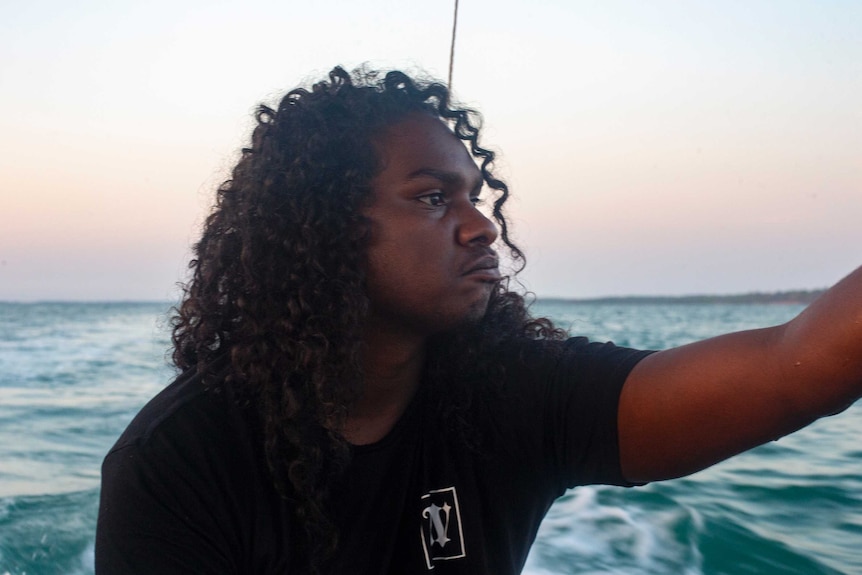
column 422, row 142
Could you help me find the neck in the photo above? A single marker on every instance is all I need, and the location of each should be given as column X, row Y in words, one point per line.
column 393, row 370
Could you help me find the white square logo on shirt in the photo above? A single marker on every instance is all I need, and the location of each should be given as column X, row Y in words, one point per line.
column 442, row 537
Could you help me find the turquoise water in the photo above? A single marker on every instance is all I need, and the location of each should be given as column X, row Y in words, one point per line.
column 73, row 375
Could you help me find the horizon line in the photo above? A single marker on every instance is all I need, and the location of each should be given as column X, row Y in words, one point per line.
column 790, row 294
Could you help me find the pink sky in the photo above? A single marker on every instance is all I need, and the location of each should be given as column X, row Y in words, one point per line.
column 680, row 148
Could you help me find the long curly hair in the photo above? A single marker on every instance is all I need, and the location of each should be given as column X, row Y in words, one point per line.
column 278, row 278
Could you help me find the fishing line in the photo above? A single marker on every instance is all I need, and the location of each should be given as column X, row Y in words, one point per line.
column 452, row 49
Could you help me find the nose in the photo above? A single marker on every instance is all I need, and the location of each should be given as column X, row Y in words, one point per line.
column 475, row 228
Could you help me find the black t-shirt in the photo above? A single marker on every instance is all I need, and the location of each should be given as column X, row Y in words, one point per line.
column 186, row 488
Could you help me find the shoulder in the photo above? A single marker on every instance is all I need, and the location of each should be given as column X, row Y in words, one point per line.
column 185, row 399
column 575, row 359
column 185, row 389
column 554, row 409
column 186, row 473
column 187, row 421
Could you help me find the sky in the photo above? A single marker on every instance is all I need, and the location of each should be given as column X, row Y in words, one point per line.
column 666, row 147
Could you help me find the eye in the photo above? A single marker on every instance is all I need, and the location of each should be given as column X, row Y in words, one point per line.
column 477, row 201
column 434, row 199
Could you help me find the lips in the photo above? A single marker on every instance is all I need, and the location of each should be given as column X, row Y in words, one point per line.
column 485, row 268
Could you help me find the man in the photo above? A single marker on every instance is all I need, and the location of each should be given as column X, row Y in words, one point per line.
column 361, row 393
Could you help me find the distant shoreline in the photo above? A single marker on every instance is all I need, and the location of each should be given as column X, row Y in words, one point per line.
column 795, row 297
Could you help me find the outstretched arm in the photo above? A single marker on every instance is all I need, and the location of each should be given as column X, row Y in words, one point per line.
column 686, row 408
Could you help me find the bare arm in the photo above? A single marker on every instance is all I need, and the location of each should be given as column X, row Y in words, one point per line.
column 686, row 408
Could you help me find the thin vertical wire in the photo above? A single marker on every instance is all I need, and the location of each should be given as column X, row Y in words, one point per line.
column 452, row 49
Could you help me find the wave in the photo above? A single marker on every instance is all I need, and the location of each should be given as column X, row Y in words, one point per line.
column 48, row 534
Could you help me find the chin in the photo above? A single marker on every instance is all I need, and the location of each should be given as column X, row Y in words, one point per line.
column 471, row 317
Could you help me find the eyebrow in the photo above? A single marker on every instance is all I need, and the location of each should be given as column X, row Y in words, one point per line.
column 447, row 177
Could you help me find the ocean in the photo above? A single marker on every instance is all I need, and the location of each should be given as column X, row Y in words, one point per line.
column 74, row 374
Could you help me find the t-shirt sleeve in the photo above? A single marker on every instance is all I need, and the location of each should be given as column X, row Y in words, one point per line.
column 152, row 519
column 167, row 495
column 574, row 388
column 587, row 388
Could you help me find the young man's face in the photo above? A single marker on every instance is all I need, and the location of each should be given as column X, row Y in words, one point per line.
column 430, row 264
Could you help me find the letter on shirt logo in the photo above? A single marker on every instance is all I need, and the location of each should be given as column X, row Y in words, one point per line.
column 439, row 528
column 442, row 537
